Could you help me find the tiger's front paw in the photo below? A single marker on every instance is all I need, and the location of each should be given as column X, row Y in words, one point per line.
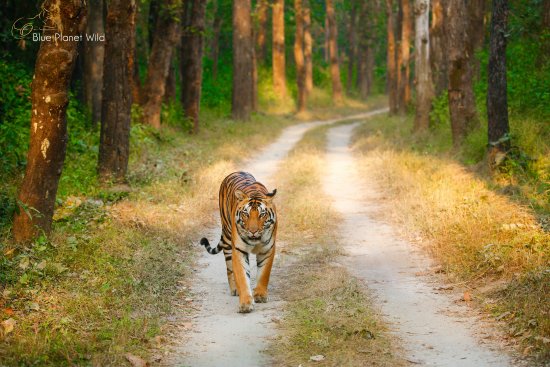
column 261, row 297
column 246, row 307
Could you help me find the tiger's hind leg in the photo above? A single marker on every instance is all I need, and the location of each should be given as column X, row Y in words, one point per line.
column 264, row 262
column 230, row 275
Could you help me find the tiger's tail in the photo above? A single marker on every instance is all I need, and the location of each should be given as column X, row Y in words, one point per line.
column 211, row 250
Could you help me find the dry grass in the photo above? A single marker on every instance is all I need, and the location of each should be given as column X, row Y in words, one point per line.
column 327, row 312
column 479, row 236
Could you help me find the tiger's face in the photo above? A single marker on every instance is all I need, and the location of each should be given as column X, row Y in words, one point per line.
column 255, row 217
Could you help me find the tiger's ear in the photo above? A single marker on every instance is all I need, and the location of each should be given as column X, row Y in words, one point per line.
column 271, row 195
column 240, row 195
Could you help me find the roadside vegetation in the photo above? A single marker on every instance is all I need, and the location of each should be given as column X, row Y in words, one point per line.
column 328, row 316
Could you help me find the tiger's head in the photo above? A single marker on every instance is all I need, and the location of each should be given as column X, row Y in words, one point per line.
column 255, row 217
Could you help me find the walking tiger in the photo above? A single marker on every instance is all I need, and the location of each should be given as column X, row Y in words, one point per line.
column 249, row 225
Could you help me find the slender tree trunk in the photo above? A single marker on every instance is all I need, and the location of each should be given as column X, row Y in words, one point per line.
column 191, row 71
column 404, row 93
column 135, row 82
column 391, row 58
column 261, row 35
column 352, row 44
column 438, row 54
column 327, row 41
column 460, row 52
column 308, row 46
column 215, row 45
column 424, row 91
column 93, row 60
column 114, row 145
column 243, row 47
column 370, row 69
column 254, row 75
column 299, row 56
column 279, row 77
column 497, row 103
column 166, row 35
column 49, row 96
column 362, row 50
column 171, row 80
column 543, row 36
column 333, row 51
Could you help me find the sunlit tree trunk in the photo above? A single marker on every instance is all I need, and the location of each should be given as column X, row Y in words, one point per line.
column 352, row 44
column 93, row 60
column 114, row 145
column 262, row 11
column 279, row 76
column 391, row 58
column 191, row 66
column 243, row 44
column 48, row 136
column 308, row 46
column 424, row 90
column 438, row 55
column 166, row 34
column 497, row 102
column 404, row 94
column 299, row 56
column 333, row 51
column 460, row 53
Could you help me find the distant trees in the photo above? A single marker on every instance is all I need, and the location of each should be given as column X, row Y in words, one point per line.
column 403, row 58
column 333, row 53
column 93, row 60
column 299, row 55
column 391, row 59
column 243, row 48
column 308, row 46
column 54, row 67
column 279, row 73
column 114, row 147
column 262, row 12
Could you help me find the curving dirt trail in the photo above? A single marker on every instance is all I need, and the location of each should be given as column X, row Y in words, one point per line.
column 217, row 334
column 435, row 330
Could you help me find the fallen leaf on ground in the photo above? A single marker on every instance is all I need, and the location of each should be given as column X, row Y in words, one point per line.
column 467, row 297
column 317, row 358
column 8, row 311
column 136, row 361
column 8, row 325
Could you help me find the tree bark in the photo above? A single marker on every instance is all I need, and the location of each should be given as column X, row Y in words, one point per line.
column 391, row 58
column 424, row 90
column 299, row 56
column 279, row 76
column 93, row 60
column 333, row 51
column 352, row 45
column 191, row 71
column 438, row 53
column 243, row 44
column 165, row 36
column 114, row 145
column 461, row 92
column 308, row 46
column 48, row 137
column 404, row 94
column 497, row 103
column 261, row 36
column 171, row 80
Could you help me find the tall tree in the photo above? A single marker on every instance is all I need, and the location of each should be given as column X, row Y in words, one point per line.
column 391, row 57
column 262, row 12
column 215, row 45
column 438, row 55
column 191, row 59
column 352, row 43
column 93, row 60
column 48, row 140
column 333, row 53
column 497, row 102
column 308, row 46
column 299, row 55
column 460, row 72
column 424, row 90
column 365, row 51
column 166, row 34
column 279, row 76
column 243, row 48
column 114, row 145
column 403, row 76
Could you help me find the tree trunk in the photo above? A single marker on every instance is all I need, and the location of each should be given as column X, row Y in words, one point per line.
column 438, row 53
column 215, row 45
column 424, row 91
column 114, row 145
column 135, row 82
column 93, row 60
column 352, row 46
column 391, row 58
column 327, row 41
column 497, row 103
column 191, row 72
column 461, row 92
column 404, row 94
column 48, row 140
column 261, row 36
column 333, row 51
column 299, row 56
column 171, row 80
column 279, row 77
column 308, row 46
column 243, row 44
column 166, row 35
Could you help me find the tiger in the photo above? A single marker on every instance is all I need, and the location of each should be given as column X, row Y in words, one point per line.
column 249, row 225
